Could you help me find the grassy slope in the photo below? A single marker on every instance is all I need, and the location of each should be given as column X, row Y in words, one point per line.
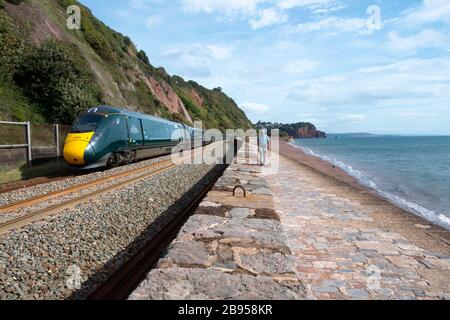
column 115, row 69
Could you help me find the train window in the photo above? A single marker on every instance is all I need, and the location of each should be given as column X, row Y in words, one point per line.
column 116, row 129
column 87, row 123
column 134, row 127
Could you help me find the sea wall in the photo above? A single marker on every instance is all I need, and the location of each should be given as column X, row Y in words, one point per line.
column 233, row 247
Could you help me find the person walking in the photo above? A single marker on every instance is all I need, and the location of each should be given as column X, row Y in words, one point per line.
column 263, row 146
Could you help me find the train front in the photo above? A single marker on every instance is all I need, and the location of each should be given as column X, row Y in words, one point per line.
column 78, row 148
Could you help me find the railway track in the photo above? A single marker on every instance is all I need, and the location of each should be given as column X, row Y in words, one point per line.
column 128, row 178
column 122, row 283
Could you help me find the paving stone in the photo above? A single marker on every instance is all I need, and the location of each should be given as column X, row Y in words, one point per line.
column 325, row 265
column 403, row 262
column 386, row 248
column 212, row 210
column 358, row 293
column 258, row 233
column 240, row 213
column 266, row 213
column 264, row 191
column 185, row 284
column 186, row 254
column 266, row 263
column 325, row 289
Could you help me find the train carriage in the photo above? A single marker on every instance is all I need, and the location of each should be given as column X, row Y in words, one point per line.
column 108, row 136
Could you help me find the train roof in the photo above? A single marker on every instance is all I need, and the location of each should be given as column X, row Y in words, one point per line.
column 108, row 110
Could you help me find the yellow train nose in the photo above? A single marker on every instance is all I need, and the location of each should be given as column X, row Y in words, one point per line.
column 75, row 146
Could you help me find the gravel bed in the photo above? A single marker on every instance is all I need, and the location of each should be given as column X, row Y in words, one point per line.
column 92, row 240
column 41, row 189
column 7, row 216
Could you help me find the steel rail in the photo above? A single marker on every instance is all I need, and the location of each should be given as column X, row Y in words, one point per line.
column 50, row 210
column 41, row 198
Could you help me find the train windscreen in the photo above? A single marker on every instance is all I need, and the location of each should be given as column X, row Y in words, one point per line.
column 87, row 123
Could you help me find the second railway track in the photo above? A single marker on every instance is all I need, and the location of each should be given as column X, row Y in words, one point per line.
column 128, row 177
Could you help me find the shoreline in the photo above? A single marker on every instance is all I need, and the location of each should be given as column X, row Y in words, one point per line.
column 331, row 171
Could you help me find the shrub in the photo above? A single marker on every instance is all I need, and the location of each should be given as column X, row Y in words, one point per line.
column 100, row 45
column 50, row 77
column 143, row 57
column 127, row 41
column 12, row 47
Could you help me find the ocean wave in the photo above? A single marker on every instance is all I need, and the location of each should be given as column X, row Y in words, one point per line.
column 363, row 178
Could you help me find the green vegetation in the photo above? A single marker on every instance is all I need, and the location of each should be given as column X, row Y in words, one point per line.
column 12, row 47
column 50, row 77
column 52, row 80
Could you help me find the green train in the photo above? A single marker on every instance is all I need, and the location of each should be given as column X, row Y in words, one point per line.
column 107, row 137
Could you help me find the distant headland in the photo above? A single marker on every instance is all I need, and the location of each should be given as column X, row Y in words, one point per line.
column 298, row 130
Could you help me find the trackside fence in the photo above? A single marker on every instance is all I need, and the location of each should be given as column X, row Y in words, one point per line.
column 26, row 141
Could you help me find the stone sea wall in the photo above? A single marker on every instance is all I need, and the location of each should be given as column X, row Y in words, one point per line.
column 233, row 247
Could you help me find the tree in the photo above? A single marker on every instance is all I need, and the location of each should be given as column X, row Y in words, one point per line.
column 50, row 77
column 143, row 57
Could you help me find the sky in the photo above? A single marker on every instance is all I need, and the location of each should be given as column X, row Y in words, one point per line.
column 379, row 66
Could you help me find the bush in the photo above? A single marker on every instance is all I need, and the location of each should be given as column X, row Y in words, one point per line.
column 11, row 47
column 50, row 77
column 143, row 57
column 99, row 44
column 93, row 35
column 127, row 41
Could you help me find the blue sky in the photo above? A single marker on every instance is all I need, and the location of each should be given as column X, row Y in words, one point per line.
column 331, row 62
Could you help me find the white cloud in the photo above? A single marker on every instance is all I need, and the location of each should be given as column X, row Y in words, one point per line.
column 199, row 54
column 416, row 114
column 255, row 108
column 428, row 38
column 352, row 118
column 289, row 4
column 317, row 6
column 299, row 67
column 221, row 6
column 220, row 52
column 333, row 26
column 154, row 21
column 429, row 11
column 405, row 84
column 138, row 4
column 268, row 17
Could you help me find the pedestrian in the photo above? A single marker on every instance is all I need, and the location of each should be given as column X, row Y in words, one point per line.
column 263, row 146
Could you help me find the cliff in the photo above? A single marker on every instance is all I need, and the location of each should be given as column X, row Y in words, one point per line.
column 296, row 130
column 50, row 73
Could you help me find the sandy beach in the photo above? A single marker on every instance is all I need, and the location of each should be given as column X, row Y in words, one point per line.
column 345, row 237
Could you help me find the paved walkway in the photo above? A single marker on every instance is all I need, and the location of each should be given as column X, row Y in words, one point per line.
column 348, row 244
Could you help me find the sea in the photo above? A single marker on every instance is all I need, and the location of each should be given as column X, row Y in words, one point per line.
column 411, row 172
